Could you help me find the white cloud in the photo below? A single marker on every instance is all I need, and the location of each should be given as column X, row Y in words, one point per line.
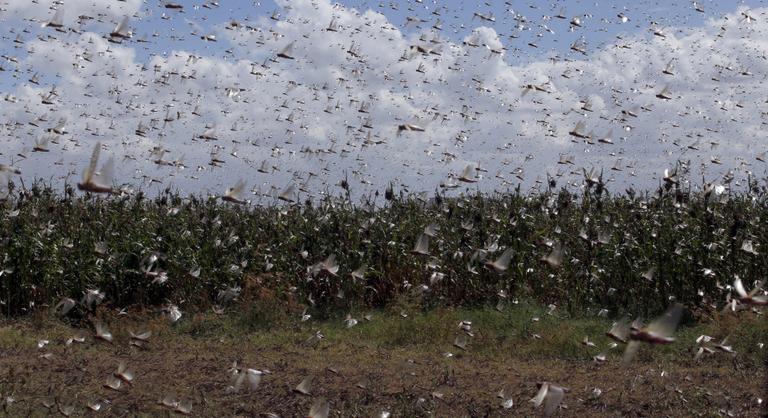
column 280, row 114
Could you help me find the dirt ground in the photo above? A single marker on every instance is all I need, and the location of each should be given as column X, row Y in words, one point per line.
column 357, row 380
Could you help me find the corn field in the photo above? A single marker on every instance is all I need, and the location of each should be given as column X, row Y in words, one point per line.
column 582, row 253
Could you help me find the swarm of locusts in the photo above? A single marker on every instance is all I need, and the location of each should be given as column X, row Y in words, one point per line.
column 622, row 253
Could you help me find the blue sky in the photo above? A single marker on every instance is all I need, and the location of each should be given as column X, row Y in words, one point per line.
column 302, row 116
column 457, row 16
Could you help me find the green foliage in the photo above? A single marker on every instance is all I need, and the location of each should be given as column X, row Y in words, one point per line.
column 693, row 242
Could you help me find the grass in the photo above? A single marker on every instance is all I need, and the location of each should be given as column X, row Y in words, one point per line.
column 524, row 331
column 13, row 339
column 509, row 333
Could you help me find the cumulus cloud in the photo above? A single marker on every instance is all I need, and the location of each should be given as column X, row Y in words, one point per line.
column 333, row 111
